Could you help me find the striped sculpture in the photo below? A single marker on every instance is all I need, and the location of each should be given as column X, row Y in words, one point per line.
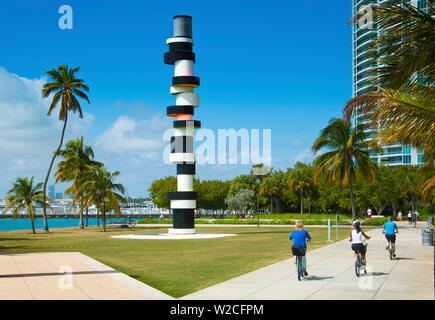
column 180, row 55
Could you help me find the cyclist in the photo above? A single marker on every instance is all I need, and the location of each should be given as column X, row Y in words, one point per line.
column 299, row 248
column 356, row 237
column 390, row 230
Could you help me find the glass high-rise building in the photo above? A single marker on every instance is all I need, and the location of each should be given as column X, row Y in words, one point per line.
column 362, row 38
column 51, row 193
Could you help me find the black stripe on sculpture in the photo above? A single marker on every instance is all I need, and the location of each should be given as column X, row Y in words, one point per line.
column 187, row 124
column 172, row 56
column 191, row 81
column 182, row 144
column 181, row 46
column 174, row 110
column 182, row 195
column 183, row 218
column 185, row 168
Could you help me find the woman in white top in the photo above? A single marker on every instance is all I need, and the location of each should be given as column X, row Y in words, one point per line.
column 356, row 235
column 400, row 215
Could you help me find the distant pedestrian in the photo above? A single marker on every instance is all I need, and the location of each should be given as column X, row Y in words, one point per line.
column 369, row 213
column 409, row 217
column 414, row 218
column 399, row 216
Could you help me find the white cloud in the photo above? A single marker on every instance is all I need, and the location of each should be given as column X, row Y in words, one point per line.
column 27, row 135
column 143, row 138
column 305, row 155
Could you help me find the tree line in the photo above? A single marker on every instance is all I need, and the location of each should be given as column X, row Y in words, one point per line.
column 297, row 190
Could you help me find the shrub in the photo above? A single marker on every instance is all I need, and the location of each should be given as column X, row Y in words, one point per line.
column 375, row 221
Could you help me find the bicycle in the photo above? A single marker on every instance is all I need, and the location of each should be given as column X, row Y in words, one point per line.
column 358, row 262
column 299, row 264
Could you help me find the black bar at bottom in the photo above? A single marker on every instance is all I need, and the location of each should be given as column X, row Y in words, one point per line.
column 183, row 218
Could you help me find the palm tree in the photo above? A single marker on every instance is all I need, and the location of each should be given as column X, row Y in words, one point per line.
column 24, row 194
column 77, row 158
column 403, row 103
column 274, row 185
column 348, row 150
column 100, row 189
column 298, row 179
column 66, row 87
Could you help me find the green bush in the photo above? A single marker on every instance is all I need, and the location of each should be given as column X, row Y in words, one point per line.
column 154, row 221
column 375, row 221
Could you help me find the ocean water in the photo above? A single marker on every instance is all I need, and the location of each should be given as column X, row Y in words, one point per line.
column 7, row 224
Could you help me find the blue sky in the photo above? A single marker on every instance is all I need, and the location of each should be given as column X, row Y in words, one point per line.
column 279, row 65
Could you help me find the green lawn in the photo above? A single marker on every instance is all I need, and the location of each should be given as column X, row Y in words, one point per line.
column 176, row 267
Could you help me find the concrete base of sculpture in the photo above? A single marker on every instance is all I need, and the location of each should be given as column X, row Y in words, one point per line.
column 181, row 231
column 171, row 236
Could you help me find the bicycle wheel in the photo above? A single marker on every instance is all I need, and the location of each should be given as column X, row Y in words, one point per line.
column 299, row 267
column 357, row 264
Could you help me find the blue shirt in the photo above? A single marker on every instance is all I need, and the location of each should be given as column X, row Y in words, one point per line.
column 390, row 227
column 299, row 237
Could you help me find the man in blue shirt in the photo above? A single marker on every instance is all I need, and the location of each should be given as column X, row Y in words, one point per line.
column 299, row 236
column 390, row 230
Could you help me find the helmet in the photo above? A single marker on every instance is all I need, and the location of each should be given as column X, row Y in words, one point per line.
column 356, row 223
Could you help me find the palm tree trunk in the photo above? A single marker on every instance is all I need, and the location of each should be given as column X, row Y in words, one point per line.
column 103, row 215
column 98, row 218
column 33, row 225
column 302, row 200
column 44, row 208
column 86, row 223
column 81, row 219
column 352, row 198
column 271, row 203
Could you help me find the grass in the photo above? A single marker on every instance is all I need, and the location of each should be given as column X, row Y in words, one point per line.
column 175, row 267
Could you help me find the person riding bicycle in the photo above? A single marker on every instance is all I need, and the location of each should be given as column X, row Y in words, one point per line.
column 390, row 230
column 299, row 247
column 356, row 237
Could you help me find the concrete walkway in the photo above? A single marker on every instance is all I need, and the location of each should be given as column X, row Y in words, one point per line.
column 67, row 275
column 331, row 274
column 41, row 276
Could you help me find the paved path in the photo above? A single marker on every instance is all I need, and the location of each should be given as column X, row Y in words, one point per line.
column 332, row 276
column 41, row 276
column 409, row 276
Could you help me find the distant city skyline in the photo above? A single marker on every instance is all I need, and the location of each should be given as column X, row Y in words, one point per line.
column 265, row 63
